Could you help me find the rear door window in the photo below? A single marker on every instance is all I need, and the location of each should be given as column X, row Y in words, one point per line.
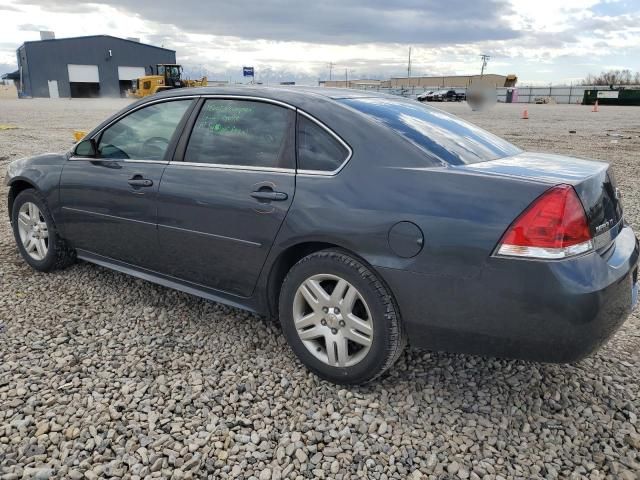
column 242, row 133
column 318, row 149
column 444, row 137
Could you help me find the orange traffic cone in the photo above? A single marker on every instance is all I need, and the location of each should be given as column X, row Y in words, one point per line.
column 595, row 107
column 525, row 115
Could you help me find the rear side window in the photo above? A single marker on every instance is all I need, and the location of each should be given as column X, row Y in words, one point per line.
column 242, row 133
column 442, row 136
column 318, row 150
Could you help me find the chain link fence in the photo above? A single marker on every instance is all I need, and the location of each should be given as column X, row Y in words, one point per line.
column 551, row 94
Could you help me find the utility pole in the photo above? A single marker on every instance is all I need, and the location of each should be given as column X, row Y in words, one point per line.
column 330, row 65
column 346, row 78
column 485, row 59
column 409, row 65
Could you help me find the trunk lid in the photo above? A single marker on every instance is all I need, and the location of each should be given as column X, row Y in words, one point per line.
column 593, row 181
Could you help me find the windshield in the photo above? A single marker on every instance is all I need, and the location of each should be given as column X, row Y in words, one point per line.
column 441, row 135
column 171, row 71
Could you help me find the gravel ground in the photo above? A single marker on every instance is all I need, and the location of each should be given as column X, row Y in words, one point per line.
column 103, row 375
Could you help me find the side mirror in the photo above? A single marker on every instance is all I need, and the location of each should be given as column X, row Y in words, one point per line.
column 87, row 148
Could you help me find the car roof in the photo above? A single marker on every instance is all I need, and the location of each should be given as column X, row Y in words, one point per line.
column 282, row 93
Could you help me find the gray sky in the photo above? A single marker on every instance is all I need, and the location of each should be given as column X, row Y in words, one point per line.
column 542, row 42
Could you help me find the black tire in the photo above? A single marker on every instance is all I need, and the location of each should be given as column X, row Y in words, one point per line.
column 59, row 255
column 388, row 336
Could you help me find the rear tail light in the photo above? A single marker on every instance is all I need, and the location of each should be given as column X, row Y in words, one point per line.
column 554, row 226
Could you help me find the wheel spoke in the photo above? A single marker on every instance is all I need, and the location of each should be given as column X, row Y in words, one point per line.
column 314, row 293
column 337, row 351
column 312, row 319
column 40, row 247
column 44, row 233
column 357, row 337
column 358, row 324
column 311, row 333
column 339, row 291
column 349, row 299
column 23, row 221
column 30, row 244
column 33, row 212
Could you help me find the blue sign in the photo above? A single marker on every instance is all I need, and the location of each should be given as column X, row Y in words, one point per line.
column 247, row 71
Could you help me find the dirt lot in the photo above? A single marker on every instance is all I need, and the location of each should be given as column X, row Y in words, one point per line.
column 105, row 375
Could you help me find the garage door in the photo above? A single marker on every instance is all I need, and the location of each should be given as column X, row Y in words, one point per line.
column 83, row 73
column 130, row 73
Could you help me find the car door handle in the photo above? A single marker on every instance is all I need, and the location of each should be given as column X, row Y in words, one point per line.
column 140, row 182
column 269, row 195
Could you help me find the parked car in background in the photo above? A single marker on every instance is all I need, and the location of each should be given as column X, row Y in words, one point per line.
column 447, row 96
column 426, row 96
column 362, row 221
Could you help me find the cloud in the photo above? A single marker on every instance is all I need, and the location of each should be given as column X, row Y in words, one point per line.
column 6, row 68
column 30, row 27
column 426, row 22
column 295, row 40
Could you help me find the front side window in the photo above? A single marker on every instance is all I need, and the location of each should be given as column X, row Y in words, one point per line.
column 318, row 150
column 242, row 133
column 144, row 134
column 442, row 136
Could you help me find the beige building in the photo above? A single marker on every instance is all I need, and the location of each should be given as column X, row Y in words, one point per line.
column 351, row 83
column 453, row 81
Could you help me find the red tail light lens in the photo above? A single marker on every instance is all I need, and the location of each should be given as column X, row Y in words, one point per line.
column 554, row 226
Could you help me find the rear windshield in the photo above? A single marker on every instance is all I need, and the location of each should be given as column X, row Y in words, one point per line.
column 443, row 136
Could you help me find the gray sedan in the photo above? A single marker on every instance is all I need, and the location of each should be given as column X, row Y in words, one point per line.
column 362, row 221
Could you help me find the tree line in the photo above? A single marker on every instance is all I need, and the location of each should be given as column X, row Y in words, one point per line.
column 613, row 77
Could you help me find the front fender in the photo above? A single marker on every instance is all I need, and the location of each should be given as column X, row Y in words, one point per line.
column 41, row 172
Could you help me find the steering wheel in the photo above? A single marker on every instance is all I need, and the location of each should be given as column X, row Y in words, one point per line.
column 154, row 148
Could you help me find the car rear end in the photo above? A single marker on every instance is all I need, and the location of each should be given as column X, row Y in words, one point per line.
column 525, row 255
column 564, row 274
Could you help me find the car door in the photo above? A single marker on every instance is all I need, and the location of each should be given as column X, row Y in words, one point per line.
column 227, row 192
column 109, row 200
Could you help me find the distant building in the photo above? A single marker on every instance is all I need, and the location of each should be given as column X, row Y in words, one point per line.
column 454, row 81
column 93, row 66
column 450, row 81
column 363, row 83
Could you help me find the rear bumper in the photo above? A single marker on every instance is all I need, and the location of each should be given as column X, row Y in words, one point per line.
column 549, row 311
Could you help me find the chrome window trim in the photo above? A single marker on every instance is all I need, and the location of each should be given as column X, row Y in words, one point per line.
column 138, row 107
column 222, row 166
column 226, row 96
column 123, row 160
column 251, row 168
column 334, row 135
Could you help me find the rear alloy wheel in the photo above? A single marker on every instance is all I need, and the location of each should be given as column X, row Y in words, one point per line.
column 339, row 318
column 333, row 320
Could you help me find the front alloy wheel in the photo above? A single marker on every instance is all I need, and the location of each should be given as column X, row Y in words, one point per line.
column 33, row 231
column 36, row 233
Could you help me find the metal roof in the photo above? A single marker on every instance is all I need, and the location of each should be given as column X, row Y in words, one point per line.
column 12, row 75
column 97, row 36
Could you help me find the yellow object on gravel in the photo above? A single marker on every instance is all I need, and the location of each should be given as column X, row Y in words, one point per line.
column 79, row 134
column 4, row 126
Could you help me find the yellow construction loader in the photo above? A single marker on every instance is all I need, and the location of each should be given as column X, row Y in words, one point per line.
column 167, row 76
